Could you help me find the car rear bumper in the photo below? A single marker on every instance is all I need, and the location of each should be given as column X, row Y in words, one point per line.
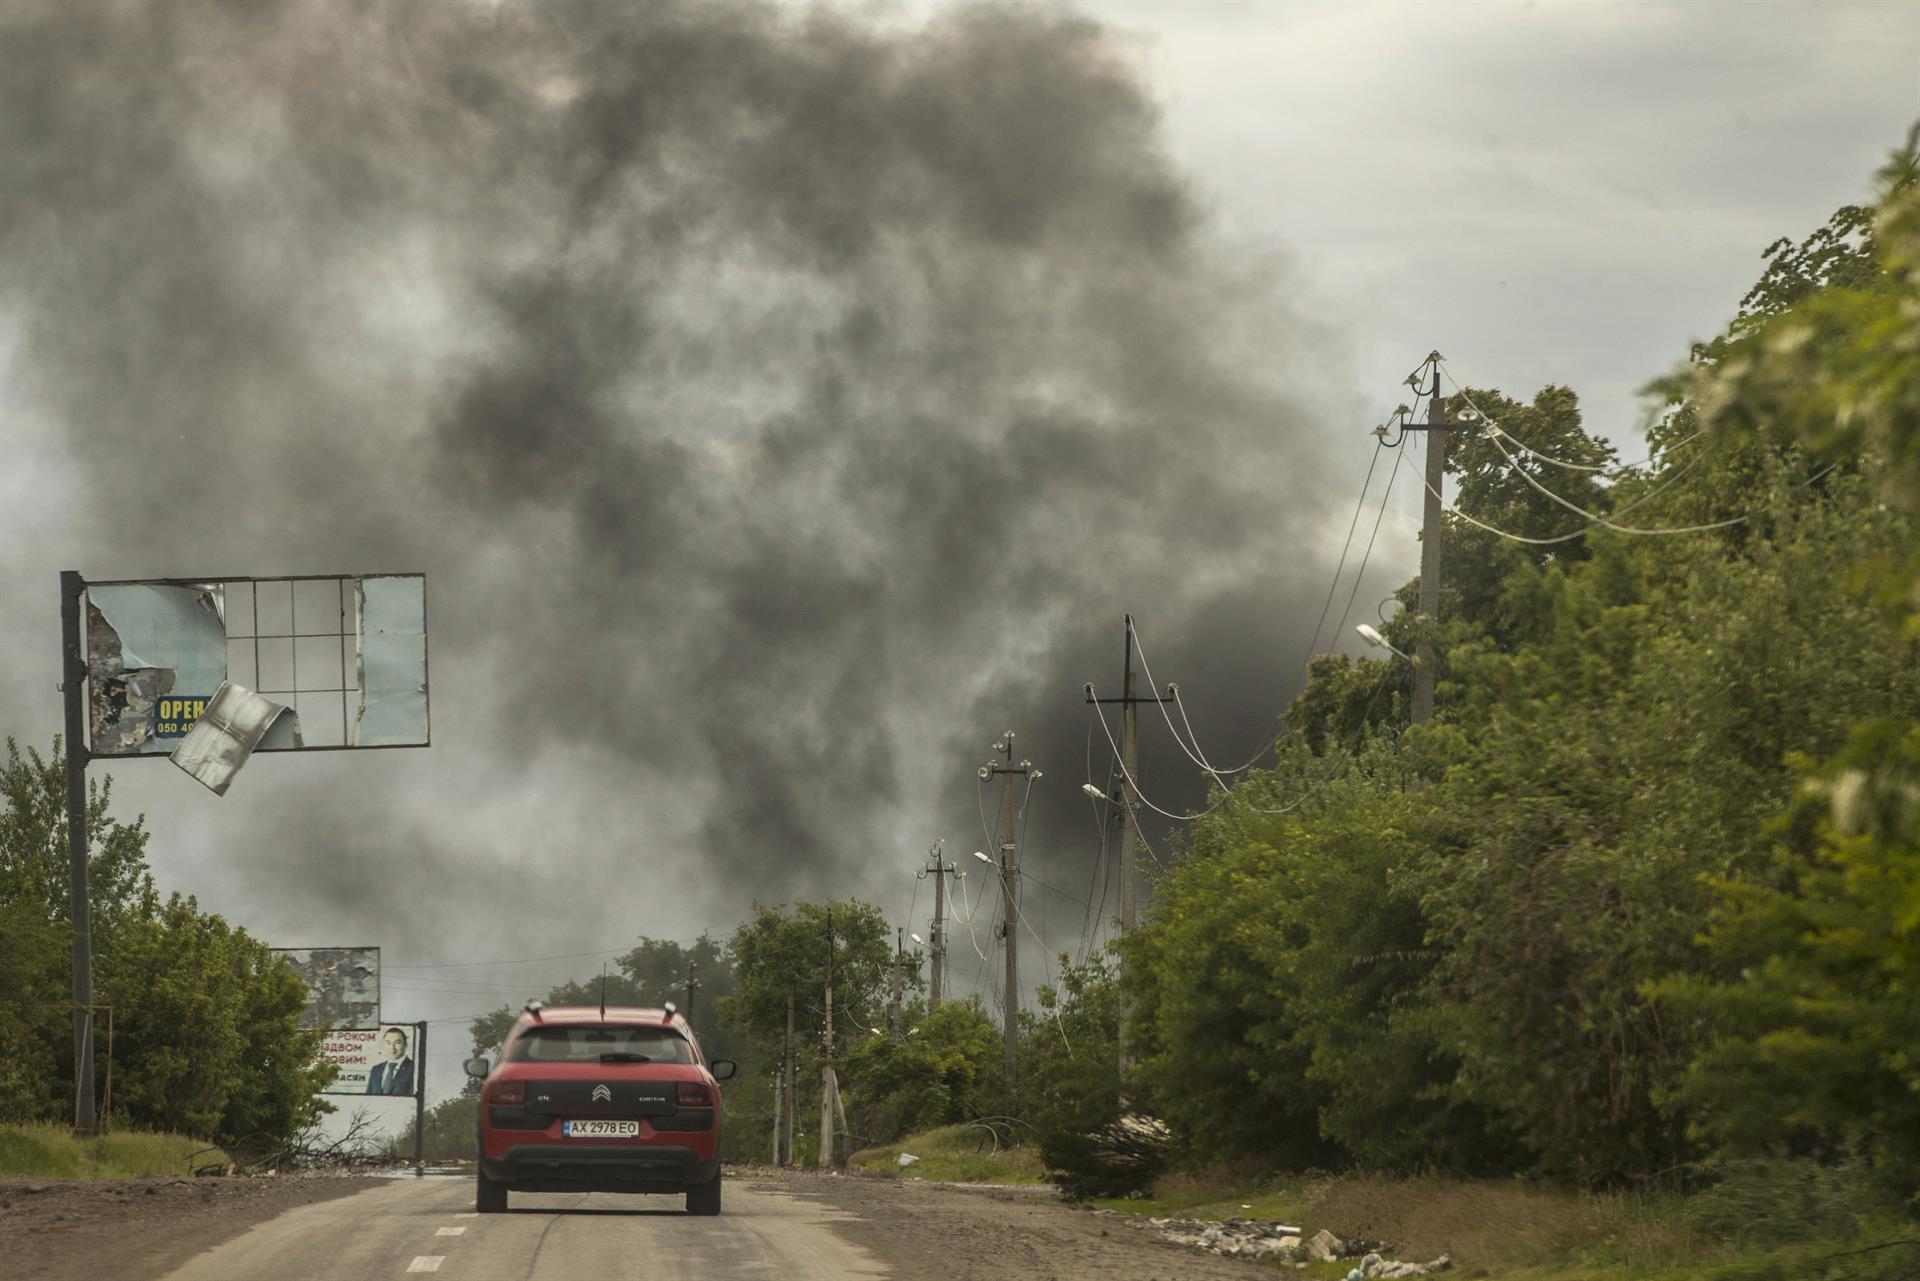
column 600, row 1166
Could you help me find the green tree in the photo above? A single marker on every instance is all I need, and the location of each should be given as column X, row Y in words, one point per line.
column 783, row 950
column 1803, row 1007
column 1071, row 1084
column 654, row 973
column 451, row 1133
column 1811, row 1027
column 947, row 1069
column 205, row 1020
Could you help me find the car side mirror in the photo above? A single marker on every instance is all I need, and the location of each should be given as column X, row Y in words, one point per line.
column 723, row 1069
column 478, row 1069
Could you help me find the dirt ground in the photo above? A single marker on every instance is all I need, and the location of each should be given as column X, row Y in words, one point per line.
column 133, row 1229
column 939, row 1232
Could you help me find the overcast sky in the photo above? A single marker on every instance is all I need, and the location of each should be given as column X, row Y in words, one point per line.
column 650, row 709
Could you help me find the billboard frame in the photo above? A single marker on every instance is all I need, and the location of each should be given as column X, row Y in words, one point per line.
column 204, row 581
column 76, row 742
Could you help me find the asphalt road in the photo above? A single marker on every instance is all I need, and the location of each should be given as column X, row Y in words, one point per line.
column 427, row 1226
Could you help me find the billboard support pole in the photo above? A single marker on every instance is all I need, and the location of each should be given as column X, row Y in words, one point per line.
column 419, row 1098
column 73, row 675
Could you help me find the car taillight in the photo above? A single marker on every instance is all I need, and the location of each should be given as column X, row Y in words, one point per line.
column 508, row 1092
column 694, row 1094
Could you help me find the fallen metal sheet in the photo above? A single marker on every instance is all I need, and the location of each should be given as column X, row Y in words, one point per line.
column 228, row 731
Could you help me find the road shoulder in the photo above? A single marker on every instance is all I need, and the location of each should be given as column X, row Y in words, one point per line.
column 943, row 1232
column 140, row 1229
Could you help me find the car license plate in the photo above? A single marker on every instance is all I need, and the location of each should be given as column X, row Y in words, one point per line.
column 600, row 1129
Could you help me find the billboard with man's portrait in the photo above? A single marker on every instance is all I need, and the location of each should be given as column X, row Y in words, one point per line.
column 343, row 985
column 373, row 1061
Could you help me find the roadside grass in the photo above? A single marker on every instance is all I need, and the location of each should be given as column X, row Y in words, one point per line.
column 956, row 1153
column 1512, row 1231
column 1230, row 1192
column 1496, row 1230
column 1517, row 1230
column 47, row 1151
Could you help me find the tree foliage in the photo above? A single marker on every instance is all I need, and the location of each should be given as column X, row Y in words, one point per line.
column 205, row 1020
column 947, row 1068
column 1602, row 916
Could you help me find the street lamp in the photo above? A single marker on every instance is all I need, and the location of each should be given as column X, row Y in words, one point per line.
column 1370, row 634
column 1093, row 791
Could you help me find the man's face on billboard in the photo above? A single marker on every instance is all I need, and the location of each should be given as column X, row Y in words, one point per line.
column 396, row 1043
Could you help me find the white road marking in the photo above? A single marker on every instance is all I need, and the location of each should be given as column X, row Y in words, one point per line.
column 426, row 1262
column 467, row 1214
column 449, row 1232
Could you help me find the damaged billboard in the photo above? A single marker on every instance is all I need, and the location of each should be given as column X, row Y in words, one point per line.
column 275, row 664
column 343, row 985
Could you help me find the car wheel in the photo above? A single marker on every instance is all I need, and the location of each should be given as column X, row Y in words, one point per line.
column 704, row 1198
column 489, row 1195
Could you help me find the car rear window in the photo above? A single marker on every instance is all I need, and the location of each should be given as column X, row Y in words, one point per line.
column 585, row 1043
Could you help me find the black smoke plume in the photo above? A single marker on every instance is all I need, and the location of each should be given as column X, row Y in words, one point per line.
column 782, row 401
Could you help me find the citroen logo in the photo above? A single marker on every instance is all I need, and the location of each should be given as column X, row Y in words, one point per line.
column 601, row 1094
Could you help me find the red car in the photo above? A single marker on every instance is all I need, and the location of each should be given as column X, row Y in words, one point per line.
column 592, row 1100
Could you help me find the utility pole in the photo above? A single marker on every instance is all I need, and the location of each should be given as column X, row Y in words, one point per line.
column 828, row 1086
column 899, row 962
column 940, row 871
column 786, row 1148
column 693, row 983
column 1430, row 535
column 779, row 1130
column 419, row 1100
column 73, row 669
column 1127, row 803
column 1012, row 803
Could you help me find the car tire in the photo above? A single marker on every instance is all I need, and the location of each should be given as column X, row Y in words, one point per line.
column 489, row 1195
column 704, row 1198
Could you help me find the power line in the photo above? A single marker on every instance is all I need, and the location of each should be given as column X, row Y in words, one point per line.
column 1071, row 898
column 1313, row 641
column 1593, row 518
column 1178, row 818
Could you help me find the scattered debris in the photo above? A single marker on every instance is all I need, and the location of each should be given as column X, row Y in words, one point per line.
column 1235, row 1238
column 1281, row 1243
column 906, row 1159
column 1374, row 1266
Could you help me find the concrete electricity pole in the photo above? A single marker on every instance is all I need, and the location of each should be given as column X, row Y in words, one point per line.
column 1012, row 804
column 829, row 1087
column 693, row 983
column 937, row 938
column 1127, row 798
column 937, row 946
column 779, row 1128
column 1431, row 527
column 899, row 962
column 786, row 1080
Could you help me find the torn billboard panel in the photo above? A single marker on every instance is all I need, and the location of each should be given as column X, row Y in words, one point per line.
column 155, row 654
column 343, row 985
column 391, row 622
column 228, row 730
column 346, row 655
